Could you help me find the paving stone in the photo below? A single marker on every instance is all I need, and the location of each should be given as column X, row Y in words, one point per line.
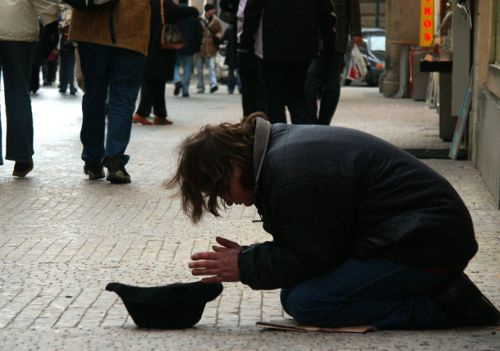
column 63, row 237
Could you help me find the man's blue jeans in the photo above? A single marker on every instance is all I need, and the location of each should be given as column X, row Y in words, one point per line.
column 374, row 292
column 118, row 72
column 15, row 59
column 210, row 61
column 186, row 62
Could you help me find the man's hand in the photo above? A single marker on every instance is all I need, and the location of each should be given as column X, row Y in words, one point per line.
column 221, row 264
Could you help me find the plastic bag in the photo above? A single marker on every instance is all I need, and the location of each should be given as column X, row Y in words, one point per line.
column 357, row 66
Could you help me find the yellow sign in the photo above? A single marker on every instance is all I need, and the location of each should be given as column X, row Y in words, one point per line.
column 426, row 22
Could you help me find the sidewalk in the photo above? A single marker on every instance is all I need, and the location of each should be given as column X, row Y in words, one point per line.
column 63, row 237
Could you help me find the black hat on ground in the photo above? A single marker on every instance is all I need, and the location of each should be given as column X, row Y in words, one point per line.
column 209, row 7
column 173, row 306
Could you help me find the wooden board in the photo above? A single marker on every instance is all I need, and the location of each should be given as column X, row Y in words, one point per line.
column 291, row 325
column 462, row 119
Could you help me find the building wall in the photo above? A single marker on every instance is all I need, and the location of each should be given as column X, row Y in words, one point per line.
column 369, row 13
column 484, row 126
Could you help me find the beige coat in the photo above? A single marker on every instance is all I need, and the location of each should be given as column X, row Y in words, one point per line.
column 131, row 23
column 19, row 18
column 207, row 48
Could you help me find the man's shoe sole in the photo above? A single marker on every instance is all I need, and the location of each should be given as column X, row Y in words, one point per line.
column 118, row 179
column 94, row 176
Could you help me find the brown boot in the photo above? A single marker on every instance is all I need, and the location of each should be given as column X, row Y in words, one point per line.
column 142, row 120
column 161, row 121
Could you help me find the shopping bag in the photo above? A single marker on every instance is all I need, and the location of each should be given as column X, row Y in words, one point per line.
column 357, row 66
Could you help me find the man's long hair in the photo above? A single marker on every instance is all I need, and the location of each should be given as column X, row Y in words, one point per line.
column 206, row 162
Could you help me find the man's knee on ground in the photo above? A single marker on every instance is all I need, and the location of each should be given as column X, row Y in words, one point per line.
column 308, row 310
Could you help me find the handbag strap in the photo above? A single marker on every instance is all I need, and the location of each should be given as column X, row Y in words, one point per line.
column 206, row 25
column 162, row 12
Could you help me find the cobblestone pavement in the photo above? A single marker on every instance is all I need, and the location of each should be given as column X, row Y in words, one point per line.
column 63, row 237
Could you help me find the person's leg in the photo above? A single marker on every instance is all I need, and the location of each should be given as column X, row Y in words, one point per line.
column 63, row 73
column 187, row 71
column 70, row 71
column 177, row 78
column 178, row 63
column 274, row 77
column 94, row 61
column 231, row 80
column 35, row 78
column 331, row 92
column 310, row 88
column 125, row 72
column 159, row 105
column 294, row 85
column 146, row 99
column 199, row 71
column 16, row 67
column 45, row 73
column 374, row 292
column 211, row 74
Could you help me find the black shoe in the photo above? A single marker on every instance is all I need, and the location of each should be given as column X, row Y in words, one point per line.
column 93, row 169
column 72, row 91
column 177, row 89
column 21, row 168
column 117, row 174
column 185, row 94
column 464, row 304
column 214, row 89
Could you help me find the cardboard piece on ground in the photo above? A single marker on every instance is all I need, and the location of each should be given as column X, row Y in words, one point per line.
column 291, row 325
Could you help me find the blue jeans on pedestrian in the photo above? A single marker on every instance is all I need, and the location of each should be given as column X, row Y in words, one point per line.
column 210, row 61
column 117, row 72
column 15, row 62
column 186, row 62
column 376, row 292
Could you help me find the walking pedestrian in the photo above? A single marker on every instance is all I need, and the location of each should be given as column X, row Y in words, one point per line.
column 192, row 31
column 159, row 64
column 249, row 66
column 233, row 77
column 66, row 54
column 19, row 30
column 212, row 34
column 325, row 72
column 112, row 55
column 362, row 232
column 284, row 34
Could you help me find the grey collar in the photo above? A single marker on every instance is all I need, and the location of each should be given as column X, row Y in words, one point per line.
column 261, row 141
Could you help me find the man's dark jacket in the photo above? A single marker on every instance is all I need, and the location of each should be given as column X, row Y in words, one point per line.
column 192, row 32
column 290, row 28
column 348, row 22
column 327, row 194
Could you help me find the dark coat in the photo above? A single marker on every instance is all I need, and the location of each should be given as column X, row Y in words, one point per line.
column 348, row 22
column 160, row 63
column 327, row 194
column 191, row 30
column 290, row 28
column 130, row 22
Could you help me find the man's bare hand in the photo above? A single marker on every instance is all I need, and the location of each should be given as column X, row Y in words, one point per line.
column 221, row 264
